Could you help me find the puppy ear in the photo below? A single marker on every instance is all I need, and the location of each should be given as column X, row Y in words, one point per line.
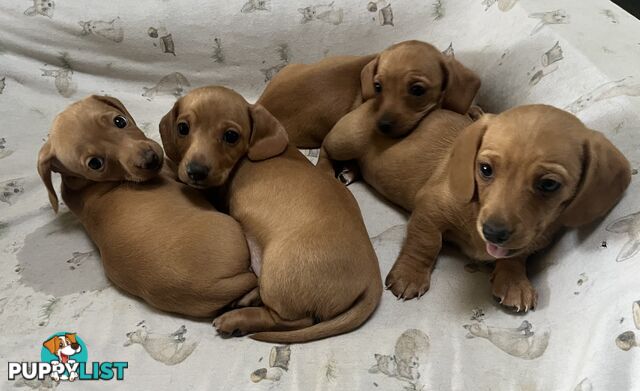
column 606, row 173
column 461, row 86
column 45, row 158
column 72, row 337
column 167, row 132
column 113, row 102
column 51, row 344
column 462, row 163
column 366, row 79
column 268, row 136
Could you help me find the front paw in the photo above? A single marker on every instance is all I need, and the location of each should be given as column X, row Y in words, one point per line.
column 408, row 280
column 515, row 292
column 228, row 325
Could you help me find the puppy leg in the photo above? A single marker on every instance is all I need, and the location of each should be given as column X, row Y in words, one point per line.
column 410, row 276
column 251, row 299
column 511, row 285
column 239, row 289
column 250, row 320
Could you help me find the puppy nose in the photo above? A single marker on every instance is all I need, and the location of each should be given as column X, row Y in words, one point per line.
column 151, row 160
column 75, row 345
column 196, row 171
column 495, row 232
column 385, row 126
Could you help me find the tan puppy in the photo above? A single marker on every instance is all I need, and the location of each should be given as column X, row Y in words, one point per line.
column 408, row 80
column 159, row 240
column 317, row 263
column 499, row 189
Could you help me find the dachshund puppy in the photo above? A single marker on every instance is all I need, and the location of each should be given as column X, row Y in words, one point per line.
column 408, row 81
column 318, row 273
column 159, row 240
column 499, row 188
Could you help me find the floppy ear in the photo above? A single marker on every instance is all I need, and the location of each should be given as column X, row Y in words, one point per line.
column 45, row 158
column 113, row 102
column 461, row 86
column 366, row 79
column 72, row 337
column 167, row 133
column 606, row 173
column 462, row 162
column 268, row 136
column 51, row 345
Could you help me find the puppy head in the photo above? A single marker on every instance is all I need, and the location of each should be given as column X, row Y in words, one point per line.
column 211, row 129
column 531, row 168
column 412, row 78
column 97, row 139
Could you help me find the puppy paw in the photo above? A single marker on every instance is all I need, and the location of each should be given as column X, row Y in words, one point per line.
column 475, row 112
column 408, row 281
column 517, row 293
column 347, row 176
column 228, row 325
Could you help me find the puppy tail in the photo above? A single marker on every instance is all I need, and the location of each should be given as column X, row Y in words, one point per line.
column 347, row 321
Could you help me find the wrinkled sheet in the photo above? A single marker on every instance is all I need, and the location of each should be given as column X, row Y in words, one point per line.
column 578, row 55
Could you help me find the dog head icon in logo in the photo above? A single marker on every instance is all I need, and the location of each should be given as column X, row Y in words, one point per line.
column 64, row 348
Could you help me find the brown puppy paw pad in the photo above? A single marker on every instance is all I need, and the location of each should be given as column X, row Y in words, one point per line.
column 408, row 283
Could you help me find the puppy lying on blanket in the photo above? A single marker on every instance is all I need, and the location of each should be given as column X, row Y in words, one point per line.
column 499, row 188
column 319, row 274
column 159, row 239
column 407, row 80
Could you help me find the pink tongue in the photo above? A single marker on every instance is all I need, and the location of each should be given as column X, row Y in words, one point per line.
column 497, row 252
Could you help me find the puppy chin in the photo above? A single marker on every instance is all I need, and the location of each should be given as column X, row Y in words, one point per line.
column 207, row 183
column 141, row 177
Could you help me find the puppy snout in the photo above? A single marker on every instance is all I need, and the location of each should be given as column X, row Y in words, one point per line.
column 151, row 160
column 385, row 125
column 495, row 232
column 196, row 171
column 75, row 346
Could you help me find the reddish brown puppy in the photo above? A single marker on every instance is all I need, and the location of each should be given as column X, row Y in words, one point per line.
column 499, row 188
column 159, row 239
column 318, row 273
column 408, row 80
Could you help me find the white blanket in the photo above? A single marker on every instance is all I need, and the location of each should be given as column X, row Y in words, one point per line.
column 580, row 55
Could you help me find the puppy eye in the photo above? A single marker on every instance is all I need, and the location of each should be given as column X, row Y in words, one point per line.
column 95, row 163
column 120, row 121
column 486, row 170
column 377, row 87
column 417, row 90
column 230, row 136
column 183, row 128
column 548, row 185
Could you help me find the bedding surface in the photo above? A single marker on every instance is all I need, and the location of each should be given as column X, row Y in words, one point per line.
column 577, row 55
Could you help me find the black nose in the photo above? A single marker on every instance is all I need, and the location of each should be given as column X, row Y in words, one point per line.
column 197, row 172
column 75, row 346
column 495, row 233
column 385, row 126
column 151, row 160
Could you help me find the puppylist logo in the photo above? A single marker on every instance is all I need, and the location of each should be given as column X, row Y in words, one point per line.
column 64, row 357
